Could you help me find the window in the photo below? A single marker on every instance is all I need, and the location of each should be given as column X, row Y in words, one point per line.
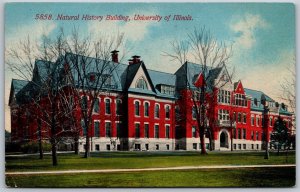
column 84, row 131
column 194, row 112
column 137, row 130
column 240, row 146
column 234, row 146
column 244, row 146
column 107, row 106
column 223, row 114
column 167, row 112
column 118, row 106
column 84, row 101
column 168, row 147
column 239, row 134
column 147, row 146
column 244, row 118
column 257, row 146
column 108, row 147
column 96, row 129
column 240, row 100
column 244, row 133
column 156, row 131
column 257, row 135
column 252, row 135
column 252, row 146
column 157, row 147
column 234, row 117
column 224, row 96
column 118, row 125
column 167, row 131
column 107, row 129
column 156, row 111
column 141, row 84
column 146, row 109
column 97, row 147
column 234, row 133
column 146, row 130
column 166, row 89
column 239, row 117
column 96, row 106
column 137, row 108
column 194, row 131
column 195, row 146
column 252, row 120
column 257, row 121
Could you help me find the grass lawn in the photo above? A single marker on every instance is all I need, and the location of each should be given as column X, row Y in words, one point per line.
column 244, row 177
column 106, row 160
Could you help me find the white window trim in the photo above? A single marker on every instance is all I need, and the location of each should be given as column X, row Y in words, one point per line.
column 158, row 111
column 154, row 130
column 144, row 104
column 244, row 114
column 167, row 105
column 110, row 101
column 99, row 101
column 147, row 123
column 136, row 100
column 166, row 131
column 94, row 127
column 253, row 120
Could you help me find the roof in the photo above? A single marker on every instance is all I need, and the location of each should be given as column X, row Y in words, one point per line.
column 257, row 94
column 17, row 85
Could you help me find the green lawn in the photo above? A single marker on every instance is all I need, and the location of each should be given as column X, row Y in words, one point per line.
column 244, row 177
column 106, row 160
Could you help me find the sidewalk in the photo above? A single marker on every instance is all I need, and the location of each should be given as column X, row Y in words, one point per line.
column 147, row 169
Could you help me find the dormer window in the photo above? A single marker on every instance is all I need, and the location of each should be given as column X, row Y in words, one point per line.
column 141, row 84
column 167, row 89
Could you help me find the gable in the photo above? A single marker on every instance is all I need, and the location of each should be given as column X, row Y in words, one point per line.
column 140, row 74
column 222, row 79
column 239, row 88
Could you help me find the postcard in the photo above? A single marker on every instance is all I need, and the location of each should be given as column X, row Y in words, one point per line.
column 150, row 95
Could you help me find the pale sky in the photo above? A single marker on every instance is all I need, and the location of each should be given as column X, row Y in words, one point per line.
column 263, row 35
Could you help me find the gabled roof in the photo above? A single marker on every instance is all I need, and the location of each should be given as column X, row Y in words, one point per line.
column 16, row 86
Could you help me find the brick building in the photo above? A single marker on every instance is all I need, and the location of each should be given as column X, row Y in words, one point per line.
column 143, row 109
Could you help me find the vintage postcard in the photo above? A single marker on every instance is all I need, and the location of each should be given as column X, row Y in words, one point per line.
column 150, row 95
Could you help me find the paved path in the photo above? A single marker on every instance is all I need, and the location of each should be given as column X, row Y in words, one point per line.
column 146, row 169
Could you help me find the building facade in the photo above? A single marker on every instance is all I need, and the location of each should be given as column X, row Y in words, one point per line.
column 142, row 109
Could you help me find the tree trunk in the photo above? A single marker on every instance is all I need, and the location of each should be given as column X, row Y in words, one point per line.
column 76, row 145
column 87, row 145
column 54, row 152
column 202, row 142
column 40, row 140
column 277, row 150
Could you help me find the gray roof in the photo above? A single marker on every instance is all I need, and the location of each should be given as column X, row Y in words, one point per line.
column 17, row 84
column 257, row 94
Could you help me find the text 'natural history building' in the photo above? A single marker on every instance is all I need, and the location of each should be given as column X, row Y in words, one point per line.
column 137, row 108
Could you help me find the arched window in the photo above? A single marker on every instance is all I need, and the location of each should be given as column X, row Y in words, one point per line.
column 96, row 106
column 146, row 112
column 167, row 112
column 137, row 108
column 156, row 111
column 141, row 84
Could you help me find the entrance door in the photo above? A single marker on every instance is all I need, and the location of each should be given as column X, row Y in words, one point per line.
column 223, row 140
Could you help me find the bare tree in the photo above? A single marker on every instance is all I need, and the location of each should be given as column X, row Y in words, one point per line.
column 288, row 87
column 37, row 63
column 207, row 51
column 90, row 60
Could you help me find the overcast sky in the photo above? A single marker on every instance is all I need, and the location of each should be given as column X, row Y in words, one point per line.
column 263, row 35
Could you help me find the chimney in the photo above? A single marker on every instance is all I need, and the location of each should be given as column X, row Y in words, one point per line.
column 114, row 56
column 135, row 59
column 130, row 61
